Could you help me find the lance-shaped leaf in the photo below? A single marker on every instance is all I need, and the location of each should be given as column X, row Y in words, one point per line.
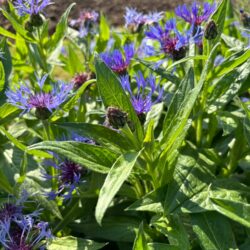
column 117, row 175
column 73, row 243
column 213, row 231
column 113, row 94
column 96, row 158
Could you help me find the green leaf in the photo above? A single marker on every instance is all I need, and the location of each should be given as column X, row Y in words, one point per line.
column 61, row 29
column 227, row 197
column 104, row 34
column 18, row 27
column 114, row 228
column 151, row 202
column 227, row 87
column 229, row 65
column 72, row 243
column 192, row 175
column 4, row 183
column 98, row 133
column 6, row 33
column 2, row 77
column 213, row 231
column 8, row 113
column 21, row 146
column 117, row 175
column 173, row 228
column 219, row 17
column 140, row 240
column 113, row 94
column 96, row 158
column 161, row 246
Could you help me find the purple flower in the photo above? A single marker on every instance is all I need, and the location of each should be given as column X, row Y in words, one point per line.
column 44, row 102
column 85, row 16
column 171, row 40
column 117, row 61
column 142, row 100
column 68, row 176
column 135, row 19
column 197, row 14
column 31, row 7
column 85, row 22
column 22, row 231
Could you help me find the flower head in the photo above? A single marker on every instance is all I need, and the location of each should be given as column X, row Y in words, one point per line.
column 171, row 40
column 31, row 7
column 22, row 231
column 85, row 22
column 117, row 61
column 44, row 102
column 69, row 174
column 197, row 14
column 142, row 100
column 135, row 19
column 80, row 79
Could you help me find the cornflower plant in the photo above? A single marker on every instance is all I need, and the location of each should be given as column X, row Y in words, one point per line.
column 155, row 158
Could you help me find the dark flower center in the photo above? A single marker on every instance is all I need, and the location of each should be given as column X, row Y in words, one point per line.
column 70, row 171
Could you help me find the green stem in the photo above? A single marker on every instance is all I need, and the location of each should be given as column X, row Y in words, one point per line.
column 199, row 130
column 47, row 137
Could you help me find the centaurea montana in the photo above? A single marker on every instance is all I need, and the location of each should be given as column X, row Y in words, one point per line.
column 172, row 42
column 197, row 14
column 68, row 173
column 85, row 22
column 19, row 231
column 43, row 102
column 143, row 99
column 117, row 61
column 31, row 7
column 135, row 19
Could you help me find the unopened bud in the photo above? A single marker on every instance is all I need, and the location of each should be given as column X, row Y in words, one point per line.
column 42, row 113
column 36, row 20
column 211, row 30
column 179, row 54
column 116, row 118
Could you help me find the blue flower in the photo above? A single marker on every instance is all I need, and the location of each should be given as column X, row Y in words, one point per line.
column 25, row 98
column 142, row 100
column 171, row 40
column 22, row 231
column 69, row 174
column 31, row 7
column 85, row 22
column 135, row 19
column 197, row 14
column 117, row 61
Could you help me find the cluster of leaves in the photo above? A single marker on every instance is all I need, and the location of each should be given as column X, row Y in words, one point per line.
column 179, row 179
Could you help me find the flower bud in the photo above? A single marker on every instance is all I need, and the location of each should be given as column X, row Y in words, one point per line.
column 42, row 113
column 116, row 118
column 80, row 79
column 36, row 20
column 211, row 30
column 179, row 54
